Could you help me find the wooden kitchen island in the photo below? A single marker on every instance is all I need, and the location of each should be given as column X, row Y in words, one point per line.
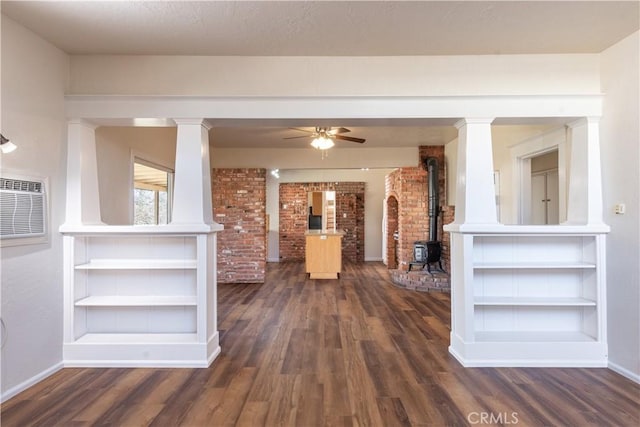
column 323, row 253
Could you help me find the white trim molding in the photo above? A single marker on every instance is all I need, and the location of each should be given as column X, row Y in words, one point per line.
column 13, row 391
column 624, row 372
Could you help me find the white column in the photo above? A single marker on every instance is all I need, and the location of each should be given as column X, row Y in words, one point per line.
column 475, row 191
column 192, row 188
column 585, row 175
column 83, row 197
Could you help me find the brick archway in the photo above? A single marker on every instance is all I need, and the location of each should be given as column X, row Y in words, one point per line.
column 392, row 228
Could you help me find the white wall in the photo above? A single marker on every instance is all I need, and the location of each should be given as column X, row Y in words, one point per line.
column 340, row 76
column 34, row 79
column 620, row 149
column 114, row 149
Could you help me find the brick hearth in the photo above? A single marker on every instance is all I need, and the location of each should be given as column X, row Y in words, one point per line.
column 421, row 280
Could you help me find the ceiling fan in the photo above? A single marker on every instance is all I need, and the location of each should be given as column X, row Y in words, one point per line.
column 323, row 136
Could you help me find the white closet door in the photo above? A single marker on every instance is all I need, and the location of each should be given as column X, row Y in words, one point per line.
column 553, row 193
column 538, row 197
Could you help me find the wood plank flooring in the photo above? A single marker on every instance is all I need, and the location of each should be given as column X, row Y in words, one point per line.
column 351, row 352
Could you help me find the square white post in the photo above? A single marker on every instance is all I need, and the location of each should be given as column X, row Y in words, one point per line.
column 585, row 174
column 475, row 191
column 192, row 188
column 83, row 198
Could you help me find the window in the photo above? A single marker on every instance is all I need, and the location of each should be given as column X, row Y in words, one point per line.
column 152, row 193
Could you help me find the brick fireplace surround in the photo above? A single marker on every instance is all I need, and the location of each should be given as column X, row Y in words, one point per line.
column 406, row 191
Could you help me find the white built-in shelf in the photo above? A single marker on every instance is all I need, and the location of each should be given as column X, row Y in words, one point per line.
column 138, row 264
column 534, row 301
column 95, row 338
column 137, row 301
column 532, row 336
column 546, row 265
column 529, row 295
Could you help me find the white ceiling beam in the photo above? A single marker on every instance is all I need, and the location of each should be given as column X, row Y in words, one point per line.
column 107, row 110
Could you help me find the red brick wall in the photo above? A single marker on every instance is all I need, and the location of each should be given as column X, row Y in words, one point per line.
column 392, row 227
column 294, row 215
column 410, row 186
column 239, row 203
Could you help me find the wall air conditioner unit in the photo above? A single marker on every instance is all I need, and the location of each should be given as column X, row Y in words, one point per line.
column 23, row 210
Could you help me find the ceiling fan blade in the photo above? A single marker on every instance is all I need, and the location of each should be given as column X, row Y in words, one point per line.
column 350, row 138
column 335, row 131
column 304, row 130
column 296, row 137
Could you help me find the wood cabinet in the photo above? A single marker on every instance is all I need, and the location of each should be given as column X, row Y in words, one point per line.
column 323, row 254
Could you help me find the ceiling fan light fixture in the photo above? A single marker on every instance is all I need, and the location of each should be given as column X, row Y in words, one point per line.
column 6, row 146
column 322, row 143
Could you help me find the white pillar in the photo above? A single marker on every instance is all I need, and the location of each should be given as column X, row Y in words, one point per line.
column 192, row 188
column 475, row 191
column 585, row 175
column 83, row 197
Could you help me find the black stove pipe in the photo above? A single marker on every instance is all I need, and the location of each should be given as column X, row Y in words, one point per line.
column 431, row 164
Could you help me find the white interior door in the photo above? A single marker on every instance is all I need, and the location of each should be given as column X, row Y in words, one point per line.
column 538, row 199
column 553, row 197
column 545, row 207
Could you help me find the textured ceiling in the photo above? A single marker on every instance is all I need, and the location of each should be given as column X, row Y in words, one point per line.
column 326, row 28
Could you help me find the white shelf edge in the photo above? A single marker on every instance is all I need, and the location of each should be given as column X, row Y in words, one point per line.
column 532, row 265
column 534, row 301
column 168, row 229
column 528, row 230
column 533, row 336
column 137, row 301
column 125, row 338
column 138, row 264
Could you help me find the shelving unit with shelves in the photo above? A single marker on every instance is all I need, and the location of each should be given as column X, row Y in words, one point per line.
column 140, row 296
column 529, row 296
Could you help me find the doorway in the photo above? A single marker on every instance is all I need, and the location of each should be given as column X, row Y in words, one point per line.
column 545, row 207
column 540, row 162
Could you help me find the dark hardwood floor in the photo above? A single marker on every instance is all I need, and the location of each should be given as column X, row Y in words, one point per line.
column 350, row 352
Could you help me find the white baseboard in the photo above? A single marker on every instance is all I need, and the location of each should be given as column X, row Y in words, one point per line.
column 30, row 382
column 152, row 364
column 625, row 372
